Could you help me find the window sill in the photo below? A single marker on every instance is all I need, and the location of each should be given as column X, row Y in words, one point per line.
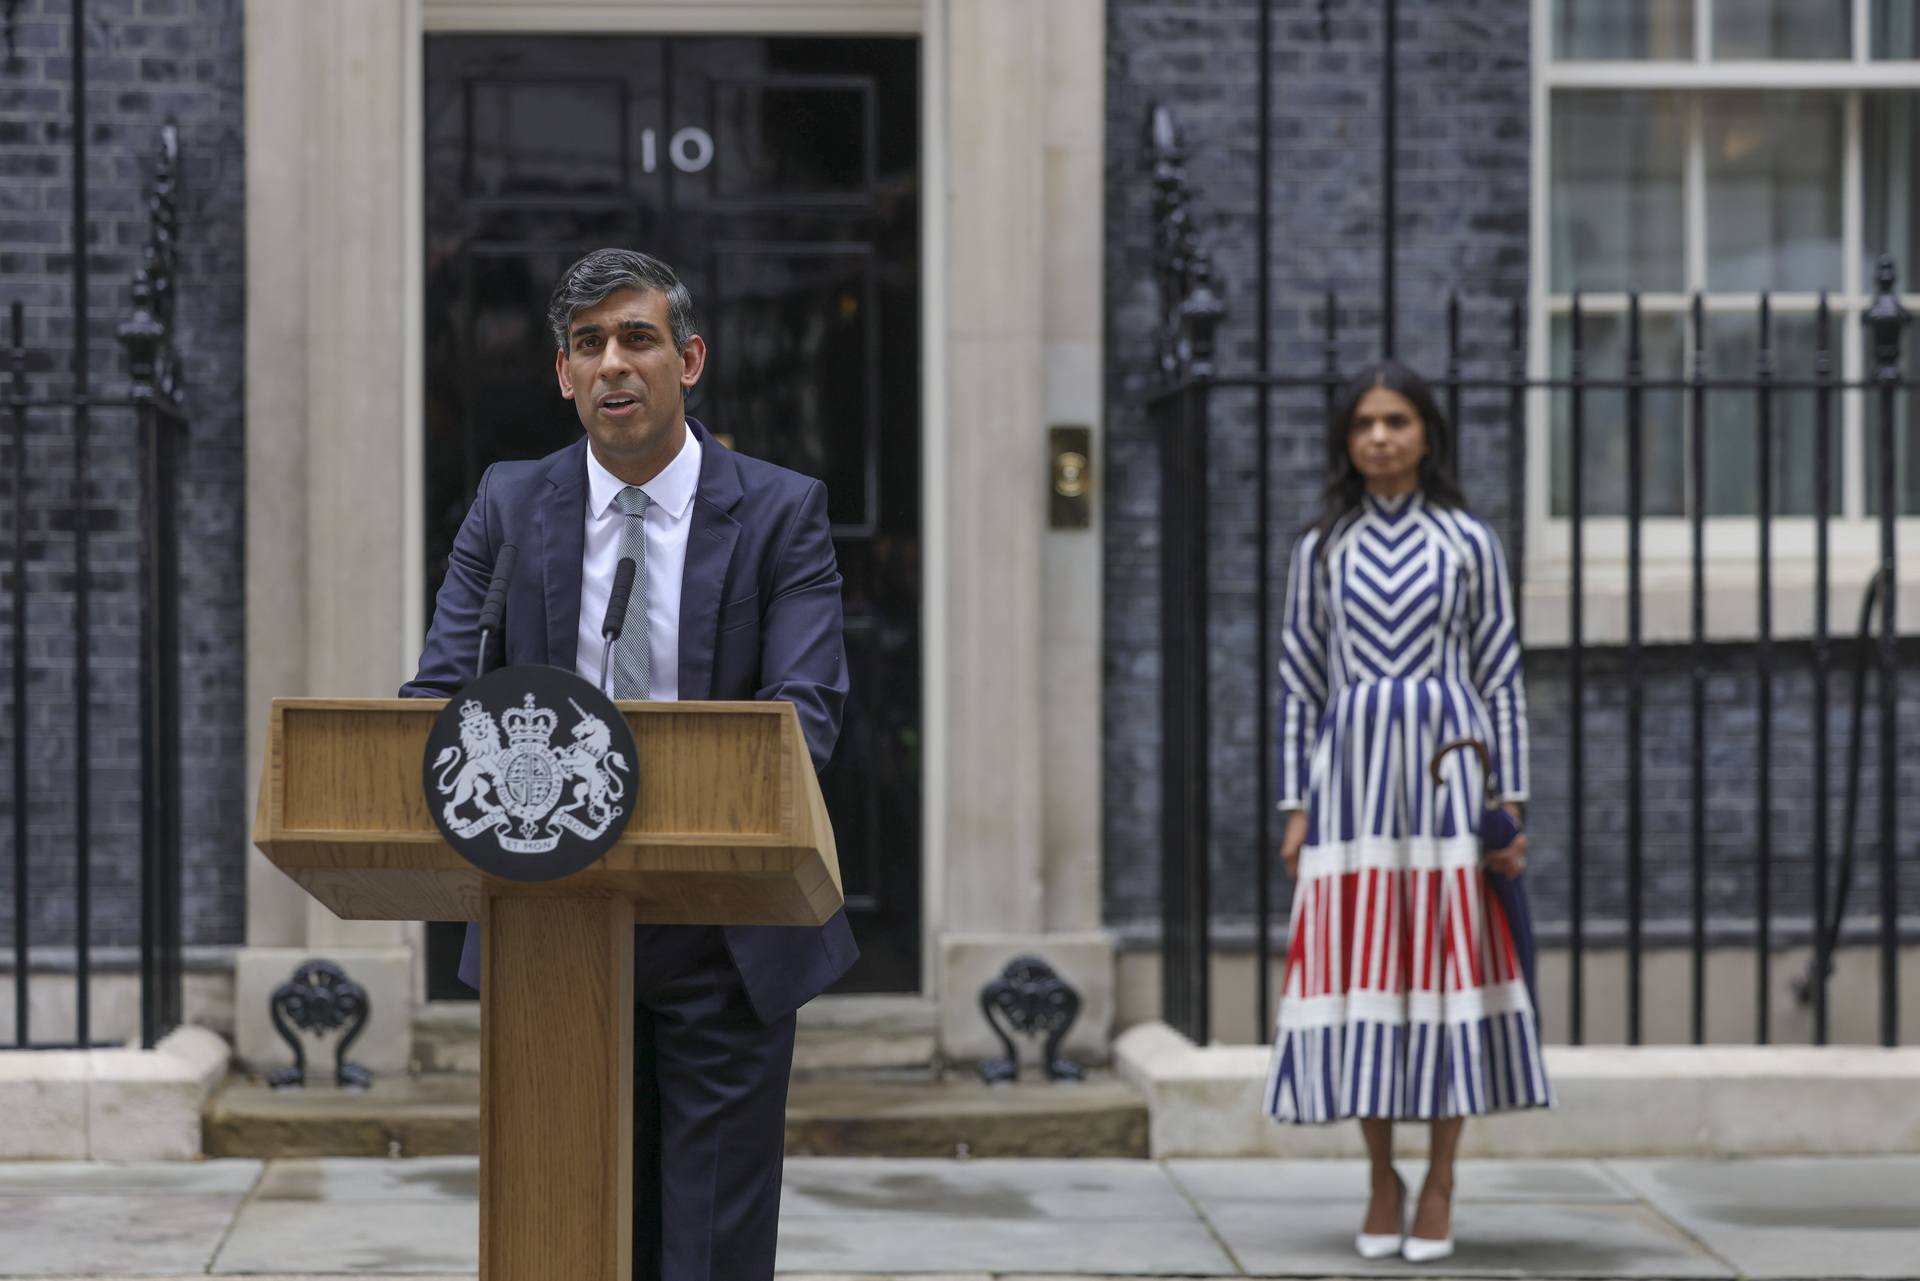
column 1732, row 601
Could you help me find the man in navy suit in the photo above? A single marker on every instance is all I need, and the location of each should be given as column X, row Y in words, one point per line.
column 738, row 597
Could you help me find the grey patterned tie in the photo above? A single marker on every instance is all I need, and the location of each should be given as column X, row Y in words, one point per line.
column 633, row 653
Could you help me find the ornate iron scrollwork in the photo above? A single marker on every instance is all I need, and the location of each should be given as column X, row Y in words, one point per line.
column 1030, row 998
column 320, row 998
column 1192, row 307
column 148, row 333
column 1887, row 320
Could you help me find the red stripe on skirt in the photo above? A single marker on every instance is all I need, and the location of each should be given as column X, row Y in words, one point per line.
column 1453, row 970
column 1393, row 959
column 1296, row 947
column 1349, row 891
column 1435, row 940
column 1367, row 926
column 1503, row 939
column 1476, row 938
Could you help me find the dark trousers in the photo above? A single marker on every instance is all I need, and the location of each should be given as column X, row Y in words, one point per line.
column 709, row 1113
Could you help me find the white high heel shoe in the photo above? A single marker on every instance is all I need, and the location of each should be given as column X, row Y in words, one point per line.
column 1426, row 1249
column 1378, row 1245
column 1383, row 1245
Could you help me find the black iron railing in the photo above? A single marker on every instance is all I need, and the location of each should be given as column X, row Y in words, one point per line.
column 1191, row 431
column 147, row 423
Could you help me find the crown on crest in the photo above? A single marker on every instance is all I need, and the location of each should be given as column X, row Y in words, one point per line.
column 471, row 711
column 529, row 724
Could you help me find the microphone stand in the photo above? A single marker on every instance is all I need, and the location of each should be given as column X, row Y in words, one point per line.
column 494, row 607
column 616, row 620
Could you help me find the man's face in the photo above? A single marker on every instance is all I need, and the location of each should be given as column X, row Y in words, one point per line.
column 626, row 381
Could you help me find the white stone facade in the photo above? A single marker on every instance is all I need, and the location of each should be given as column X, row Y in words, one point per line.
column 1013, row 95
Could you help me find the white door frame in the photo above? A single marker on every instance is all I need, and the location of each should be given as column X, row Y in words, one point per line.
column 923, row 18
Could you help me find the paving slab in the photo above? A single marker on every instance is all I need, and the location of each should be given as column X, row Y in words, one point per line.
column 1238, row 1179
column 1301, row 1238
column 889, row 1276
column 121, row 1235
column 353, row 1236
column 449, row 1178
column 1005, row 1190
column 157, row 1178
column 907, row 1244
column 1001, row 1220
column 1793, row 1217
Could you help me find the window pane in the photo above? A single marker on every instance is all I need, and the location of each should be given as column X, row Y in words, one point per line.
column 1896, row 29
column 1783, row 28
column 1622, row 29
column 1604, row 455
column 1773, row 190
column 1891, row 163
column 1733, row 417
column 528, row 137
column 1618, row 170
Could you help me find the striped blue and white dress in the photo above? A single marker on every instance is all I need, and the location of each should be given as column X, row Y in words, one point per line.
column 1403, row 995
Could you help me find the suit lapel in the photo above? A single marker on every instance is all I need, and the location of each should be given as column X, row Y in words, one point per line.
column 710, row 544
column 563, row 534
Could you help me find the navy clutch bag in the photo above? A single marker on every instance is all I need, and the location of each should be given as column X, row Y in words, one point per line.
column 1499, row 829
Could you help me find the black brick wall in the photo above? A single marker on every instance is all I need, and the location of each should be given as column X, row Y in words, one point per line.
column 1463, row 225
column 148, row 60
column 1731, row 757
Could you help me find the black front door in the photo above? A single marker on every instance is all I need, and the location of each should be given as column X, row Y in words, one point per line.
column 780, row 177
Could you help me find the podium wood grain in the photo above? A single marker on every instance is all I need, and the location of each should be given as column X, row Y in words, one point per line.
column 728, row 827
column 556, row 1089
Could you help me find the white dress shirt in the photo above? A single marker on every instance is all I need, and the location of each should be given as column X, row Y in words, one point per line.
column 666, row 525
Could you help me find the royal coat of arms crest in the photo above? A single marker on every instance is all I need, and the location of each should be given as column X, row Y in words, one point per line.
column 506, row 782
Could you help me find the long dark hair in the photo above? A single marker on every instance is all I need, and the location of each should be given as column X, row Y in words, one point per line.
column 1346, row 487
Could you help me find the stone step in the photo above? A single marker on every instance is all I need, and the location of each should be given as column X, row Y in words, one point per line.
column 955, row 1114
column 431, row 1115
column 836, row 1033
column 869, row 1114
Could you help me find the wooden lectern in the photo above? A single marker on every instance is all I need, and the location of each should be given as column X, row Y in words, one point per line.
column 728, row 827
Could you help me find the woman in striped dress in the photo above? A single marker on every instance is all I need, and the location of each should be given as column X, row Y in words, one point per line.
column 1403, row 997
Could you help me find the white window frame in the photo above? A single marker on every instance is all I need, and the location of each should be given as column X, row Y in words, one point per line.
column 1732, row 547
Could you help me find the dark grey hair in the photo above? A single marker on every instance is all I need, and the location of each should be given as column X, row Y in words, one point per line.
column 606, row 271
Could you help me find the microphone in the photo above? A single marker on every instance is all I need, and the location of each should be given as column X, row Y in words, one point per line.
column 616, row 618
column 493, row 609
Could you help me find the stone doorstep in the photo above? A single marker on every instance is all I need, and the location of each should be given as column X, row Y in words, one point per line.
column 110, row 1105
column 434, row 1115
column 836, row 1034
column 446, row 1037
column 869, row 1114
column 864, row 1033
column 956, row 1114
column 1653, row 1101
